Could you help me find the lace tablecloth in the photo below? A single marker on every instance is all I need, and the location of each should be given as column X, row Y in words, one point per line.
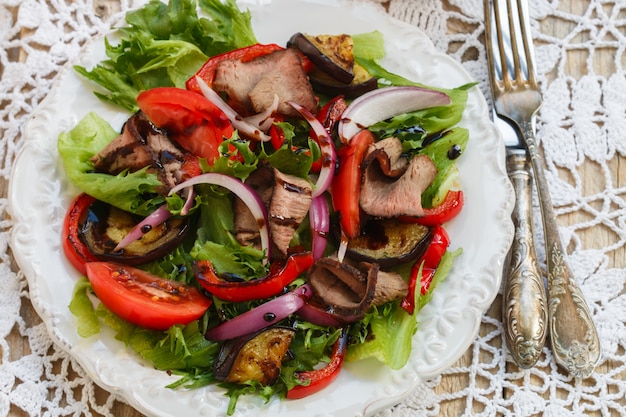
column 581, row 51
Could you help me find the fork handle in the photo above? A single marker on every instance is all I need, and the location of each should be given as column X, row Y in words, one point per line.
column 524, row 298
column 573, row 335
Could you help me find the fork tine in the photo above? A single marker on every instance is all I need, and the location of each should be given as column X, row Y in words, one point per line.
column 506, row 35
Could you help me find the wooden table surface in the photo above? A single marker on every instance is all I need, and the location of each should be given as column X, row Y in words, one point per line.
column 595, row 237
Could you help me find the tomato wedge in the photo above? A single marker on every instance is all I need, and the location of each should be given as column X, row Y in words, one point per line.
column 145, row 299
column 191, row 119
column 346, row 188
column 321, row 378
column 74, row 249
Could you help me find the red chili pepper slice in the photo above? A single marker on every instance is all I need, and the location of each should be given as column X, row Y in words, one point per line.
column 321, row 378
column 346, row 188
column 74, row 249
column 428, row 264
column 279, row 277
column 444, row 212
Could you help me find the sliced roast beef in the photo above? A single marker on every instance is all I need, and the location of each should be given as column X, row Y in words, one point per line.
column 389, row 286
column 387, row 189
column 250, row 86
column 347, row 291
column 289, row 205
column 246, row 227
column 288, row 199
column 141, row 144
column 342, row 289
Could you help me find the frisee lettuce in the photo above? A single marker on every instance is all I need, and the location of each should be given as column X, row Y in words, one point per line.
column 165, row 44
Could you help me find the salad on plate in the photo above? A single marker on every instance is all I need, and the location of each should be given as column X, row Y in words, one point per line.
column 267, row 211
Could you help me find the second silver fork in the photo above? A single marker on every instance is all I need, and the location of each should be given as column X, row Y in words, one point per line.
column 516, row 97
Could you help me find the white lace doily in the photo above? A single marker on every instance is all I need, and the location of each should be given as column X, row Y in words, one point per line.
column 582, row 130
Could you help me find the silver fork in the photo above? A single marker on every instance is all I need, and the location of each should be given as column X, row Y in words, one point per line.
column 516, row 97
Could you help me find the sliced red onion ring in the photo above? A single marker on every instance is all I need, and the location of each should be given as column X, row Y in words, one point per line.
column 264, row 120
column 320, row 225
column 329, row 156
column 250, row 198
column 383, row 103
column 154, row 219
column 262, row 316
column 245, row 129
column 316, row 315
column 188, row 202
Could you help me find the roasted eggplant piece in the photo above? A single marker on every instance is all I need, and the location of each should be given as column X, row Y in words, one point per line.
column 389, row 242
column 104, row 226
column 361, row 84
column 330, row 53
column 257, row 357
column 335, row 72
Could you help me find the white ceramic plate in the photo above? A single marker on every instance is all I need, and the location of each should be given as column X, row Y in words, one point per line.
column 40, row 193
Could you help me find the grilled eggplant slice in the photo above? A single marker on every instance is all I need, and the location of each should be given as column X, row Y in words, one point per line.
column 257, row 357
column 330, row 53
column 361, row 83
column 389, row 242
column 105, row 226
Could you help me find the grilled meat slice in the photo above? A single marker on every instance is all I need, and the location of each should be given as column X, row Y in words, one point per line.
column 141, row 144
column 250, row 86
column 288, row 199
column 288, row 206
column 387, row 190
column 246, row 227
column 347, row 290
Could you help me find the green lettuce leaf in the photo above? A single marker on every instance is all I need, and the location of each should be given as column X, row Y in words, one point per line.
column 391, row 328
column 82, row 308
column 130, row 191
column 165, row 44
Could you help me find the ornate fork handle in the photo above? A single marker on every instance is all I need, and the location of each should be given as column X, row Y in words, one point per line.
column 524, row 306
column 573, row 335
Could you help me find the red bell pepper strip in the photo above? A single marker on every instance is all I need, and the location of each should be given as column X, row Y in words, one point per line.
column 207, row 71
column 444, row 212
column 346, row 188
column 330, row 114
column 427, row 264
column 279, row 277
column 321, row 378
column 74, row 249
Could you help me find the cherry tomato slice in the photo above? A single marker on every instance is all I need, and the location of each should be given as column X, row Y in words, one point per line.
column 191, row 119
column 74, row 249
column 145, row 299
